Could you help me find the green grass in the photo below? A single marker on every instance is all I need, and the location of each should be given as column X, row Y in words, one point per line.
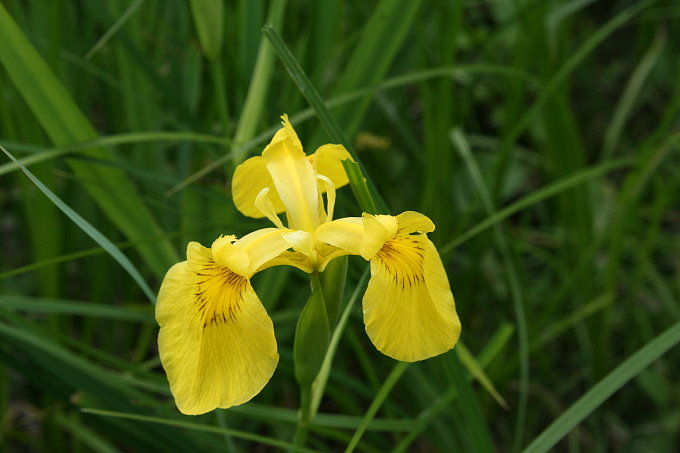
column 540, row 137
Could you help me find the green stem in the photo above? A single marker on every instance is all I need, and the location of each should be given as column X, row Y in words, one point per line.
column 306, row 412
column 316, row 282
column 304, row 415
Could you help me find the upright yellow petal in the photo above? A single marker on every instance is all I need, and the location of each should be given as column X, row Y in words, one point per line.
column 286, row 133
column 295, row 183
column 327, row 161
column 409, row 310
column 216, row 341
column 249, row 179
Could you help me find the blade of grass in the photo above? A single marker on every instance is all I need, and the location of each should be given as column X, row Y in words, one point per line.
column 360, row 189
column 496, row 344
column 90, row 230
column 460, row 143
column 198, row 427
column 42, row 155
column 469, row 405
column 380, row 397
column 599, row 393
column 569, row 321
column 559, row 15
column 70, row 307
column 271, row 413
column 250, row 15
column 129, row 11
column 662, row 289
column 624, row 107
column 208, row 17
column 90, row 252
column 94, row 441
column 537, row 196
column 476, row 371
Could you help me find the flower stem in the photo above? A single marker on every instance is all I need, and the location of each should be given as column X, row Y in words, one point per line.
column 308, row 357
column 316, row 282
column 304, row 415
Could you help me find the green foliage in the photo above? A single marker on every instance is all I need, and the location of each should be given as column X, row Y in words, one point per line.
column 540, row 137
column 209, row 20
column 312, row 335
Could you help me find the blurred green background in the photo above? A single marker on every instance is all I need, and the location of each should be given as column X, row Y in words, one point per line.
column 540, row 136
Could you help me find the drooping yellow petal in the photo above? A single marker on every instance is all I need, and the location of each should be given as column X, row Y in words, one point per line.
column 327, row 161
column 409, row 310
column 216, row 341
column 295, row 183
column 249, row 179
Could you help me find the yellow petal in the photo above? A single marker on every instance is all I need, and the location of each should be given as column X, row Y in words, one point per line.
column 326, row 253
column 338, row 238
column 216, row 341
column 266, row 207
column 249, row 179
column 326, row 185
column 300, row 241
column 377, row 230
column 295, row 183
column 262, row 246
column 287, row 133
column 226, row 254
column 287, row 258
column 414, row 222
column 327, row 161
column 344, row 233
column 409, row 310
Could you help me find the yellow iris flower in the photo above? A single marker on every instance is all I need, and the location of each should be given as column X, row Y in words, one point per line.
column 216, row 341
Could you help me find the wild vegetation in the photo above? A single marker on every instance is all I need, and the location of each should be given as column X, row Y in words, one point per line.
column 541, row 138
